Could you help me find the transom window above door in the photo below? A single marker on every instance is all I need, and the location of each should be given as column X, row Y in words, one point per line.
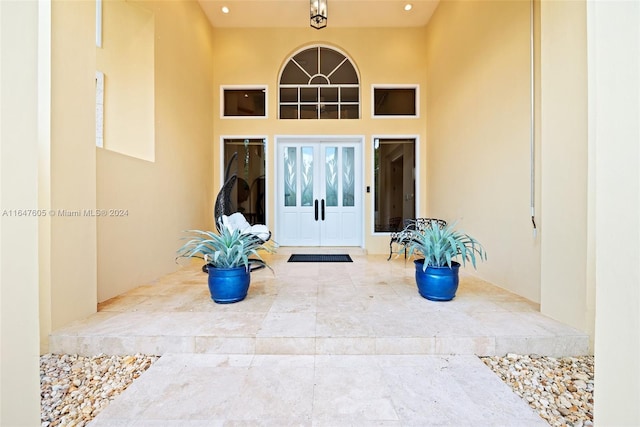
column 319, row 83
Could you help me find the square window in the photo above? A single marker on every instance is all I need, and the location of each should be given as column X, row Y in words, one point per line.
column 289, row 94
column 349, row 111
column 329, row 94
column 309, row 111
column 308, row 94
column 288, row 111
column 349, row 94
column 329, row 111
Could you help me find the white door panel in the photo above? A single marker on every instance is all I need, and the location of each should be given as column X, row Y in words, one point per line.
column 319, row 202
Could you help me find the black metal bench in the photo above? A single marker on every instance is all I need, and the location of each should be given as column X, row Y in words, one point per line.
column 413, row 224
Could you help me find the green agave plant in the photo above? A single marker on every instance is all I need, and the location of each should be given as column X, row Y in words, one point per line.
column 442, row 245
column 226, row 249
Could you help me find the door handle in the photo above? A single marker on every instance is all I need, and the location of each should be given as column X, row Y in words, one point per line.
column 323, row 209
column 316, row 206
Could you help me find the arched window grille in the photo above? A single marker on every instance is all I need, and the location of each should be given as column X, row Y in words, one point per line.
column 319, row 83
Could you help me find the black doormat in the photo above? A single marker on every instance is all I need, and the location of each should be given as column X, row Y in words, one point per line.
column 320, row 258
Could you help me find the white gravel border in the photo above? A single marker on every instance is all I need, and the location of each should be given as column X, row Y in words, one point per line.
column 74, row 389
column 559, row 389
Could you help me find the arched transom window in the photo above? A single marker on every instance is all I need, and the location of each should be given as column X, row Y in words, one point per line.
column 319, row 83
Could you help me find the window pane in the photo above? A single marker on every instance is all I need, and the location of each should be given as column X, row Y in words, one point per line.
column 329, row 111
column 349, row 112
column 319, row 80
column 308, row 60
column 249, row 194
column 290, row 182
column 328, row 94
column 394, row 102
column 307, row 176
column 293, row 75
column 348, row 177
column 309, row 111
column 309, row 94
column 329, row 60
column 331, row 176
column 243, row 102
column 289, row 94
column 288, row 111
column 394, row 183
column 349, row 94
column 344, row 75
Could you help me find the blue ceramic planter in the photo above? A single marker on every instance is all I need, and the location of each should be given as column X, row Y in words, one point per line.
column 437, row 283
column 228, row 285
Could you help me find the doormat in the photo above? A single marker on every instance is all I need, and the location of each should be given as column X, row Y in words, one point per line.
column 320, row 258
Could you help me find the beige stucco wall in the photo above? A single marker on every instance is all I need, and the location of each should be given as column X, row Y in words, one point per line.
column 478, row 134
column 174, row 191
column 68, row 170
column 126, row 57
column 614, row 130
column 566, row 228
column 381, row 56
column 19, row 132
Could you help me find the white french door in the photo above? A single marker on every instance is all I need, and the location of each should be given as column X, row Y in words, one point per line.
column 319, row 198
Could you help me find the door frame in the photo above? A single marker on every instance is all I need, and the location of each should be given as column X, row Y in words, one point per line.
column 278, row 193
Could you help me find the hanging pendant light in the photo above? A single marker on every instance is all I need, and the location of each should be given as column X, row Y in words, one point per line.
column 318, row 13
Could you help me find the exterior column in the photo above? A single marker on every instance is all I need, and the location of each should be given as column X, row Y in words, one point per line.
column 614, row 130
column 19, row 132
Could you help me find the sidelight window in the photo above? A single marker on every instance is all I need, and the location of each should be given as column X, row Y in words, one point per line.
column 249, row 193
column 394, row 183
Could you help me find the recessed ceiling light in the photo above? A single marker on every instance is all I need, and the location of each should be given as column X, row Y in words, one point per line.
column 225, row 9
column 408, row 6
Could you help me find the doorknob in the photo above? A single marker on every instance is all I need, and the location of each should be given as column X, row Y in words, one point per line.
column 316, row 206
column 323, row 209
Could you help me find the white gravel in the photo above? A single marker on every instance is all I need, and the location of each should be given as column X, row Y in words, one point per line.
column 74, row 389
column 559, row 389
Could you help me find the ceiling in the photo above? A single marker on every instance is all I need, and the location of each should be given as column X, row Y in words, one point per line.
column 295, row 13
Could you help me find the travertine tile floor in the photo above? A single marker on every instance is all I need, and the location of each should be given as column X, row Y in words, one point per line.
column 318, row 344
column 207, row 390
